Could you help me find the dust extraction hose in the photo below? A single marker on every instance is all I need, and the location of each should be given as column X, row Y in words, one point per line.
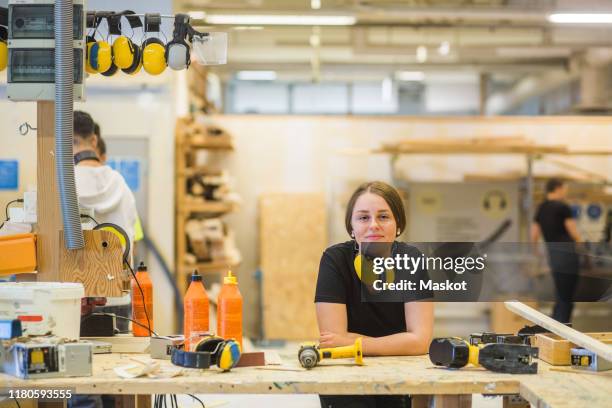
column 64, row 101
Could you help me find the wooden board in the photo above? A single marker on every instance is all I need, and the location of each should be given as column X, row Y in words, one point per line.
column 555, row 350
column 601, row 349
column 293, row 235
column 49, row 220
column 98, row 266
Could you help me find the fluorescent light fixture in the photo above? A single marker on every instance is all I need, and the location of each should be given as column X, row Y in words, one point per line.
column 407, row 76
column 279, row 19
column 197, row 15
column 421, row 53
column 444, row 48
column 581, row 18
column 315, row 4
column 256, row 75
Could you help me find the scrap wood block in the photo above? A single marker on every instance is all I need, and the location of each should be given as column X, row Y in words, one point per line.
column 555, row 350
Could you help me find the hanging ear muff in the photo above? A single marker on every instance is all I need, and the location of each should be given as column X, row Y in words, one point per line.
column 153, row 56
column 3, row 48
column 88, row 68
column 136, row 65
column 178, row 55
column 101, row 56
column 123, row 52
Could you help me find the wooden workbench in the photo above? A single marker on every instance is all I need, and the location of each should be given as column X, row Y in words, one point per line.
column 380, row 375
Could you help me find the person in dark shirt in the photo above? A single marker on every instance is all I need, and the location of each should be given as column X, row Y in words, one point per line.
column 554, row 222
column 375, row 213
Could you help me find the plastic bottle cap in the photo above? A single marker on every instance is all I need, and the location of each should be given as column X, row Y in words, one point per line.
column 142, row 267
column 196, row 277
column 230, row 279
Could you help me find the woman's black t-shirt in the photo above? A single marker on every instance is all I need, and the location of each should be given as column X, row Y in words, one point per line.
column 338, row 283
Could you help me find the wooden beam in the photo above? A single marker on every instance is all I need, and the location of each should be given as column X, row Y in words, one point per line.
column 601, row 349
column 49, row 221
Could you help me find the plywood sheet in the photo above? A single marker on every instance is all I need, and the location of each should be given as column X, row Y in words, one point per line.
column 293, row 235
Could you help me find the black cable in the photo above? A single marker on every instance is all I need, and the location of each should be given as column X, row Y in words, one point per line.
column 17, row 402
column 197, row 399
column 6, row 217
column 90, row 217
column 144, row 304
column 118, row 317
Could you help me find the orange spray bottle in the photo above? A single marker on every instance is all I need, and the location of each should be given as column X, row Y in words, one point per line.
column 142, row 307
column 229, row 314
column 195, row 306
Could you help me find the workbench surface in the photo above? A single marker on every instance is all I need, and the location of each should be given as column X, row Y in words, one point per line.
column 379, row 375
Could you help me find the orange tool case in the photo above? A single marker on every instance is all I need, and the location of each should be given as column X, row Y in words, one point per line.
column 17, row 254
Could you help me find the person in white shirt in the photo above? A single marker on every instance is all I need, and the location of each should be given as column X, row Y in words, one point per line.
column 99, row 187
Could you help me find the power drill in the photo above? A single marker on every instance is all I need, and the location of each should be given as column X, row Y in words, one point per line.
column 454, row 352
column 311, row 354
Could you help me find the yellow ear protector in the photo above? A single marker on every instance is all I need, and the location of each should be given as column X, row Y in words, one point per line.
column 101, row 56
column 178, row 55
column 224, row 353
column 3, row 48
column 88, row 68
column 153, row 56
column 124, row 51
column 362, row 263
column 153, row 49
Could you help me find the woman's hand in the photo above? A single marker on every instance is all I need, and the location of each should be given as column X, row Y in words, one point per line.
column 330, row 339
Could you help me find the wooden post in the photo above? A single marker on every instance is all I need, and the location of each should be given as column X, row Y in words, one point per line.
column 49, row 219
column 452, row 401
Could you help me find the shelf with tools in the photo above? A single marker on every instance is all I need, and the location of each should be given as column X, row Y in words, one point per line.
column 203, row 197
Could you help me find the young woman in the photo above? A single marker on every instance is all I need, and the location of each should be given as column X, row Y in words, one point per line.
column 375, row 213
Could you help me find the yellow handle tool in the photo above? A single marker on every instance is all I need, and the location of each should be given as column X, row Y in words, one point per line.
column 310, row 354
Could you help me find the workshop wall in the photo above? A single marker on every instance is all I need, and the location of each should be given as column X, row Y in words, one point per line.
column 303, row 154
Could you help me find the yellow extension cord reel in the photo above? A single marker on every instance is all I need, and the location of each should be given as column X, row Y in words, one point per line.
column 120, row 233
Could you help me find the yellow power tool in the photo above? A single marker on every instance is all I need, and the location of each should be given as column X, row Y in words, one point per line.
column 311, row 354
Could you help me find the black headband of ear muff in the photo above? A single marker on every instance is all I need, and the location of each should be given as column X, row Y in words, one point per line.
column 152, row 40
column 4, row 16
column 133, row 21
column 152, row 22
column 114, row 24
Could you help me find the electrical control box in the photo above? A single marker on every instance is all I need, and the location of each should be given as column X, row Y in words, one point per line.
column 31, row 47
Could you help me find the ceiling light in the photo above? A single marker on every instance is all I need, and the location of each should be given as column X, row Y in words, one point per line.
column 444, row 48
column 256, row 75
column 421, row 53
column 315, row 4
column 279, row 19
column 581, row 18
column 410, row 76
column 197, row 15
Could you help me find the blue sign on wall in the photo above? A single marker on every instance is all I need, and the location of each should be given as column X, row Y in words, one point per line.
column 129, row 169
column 9, row 175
